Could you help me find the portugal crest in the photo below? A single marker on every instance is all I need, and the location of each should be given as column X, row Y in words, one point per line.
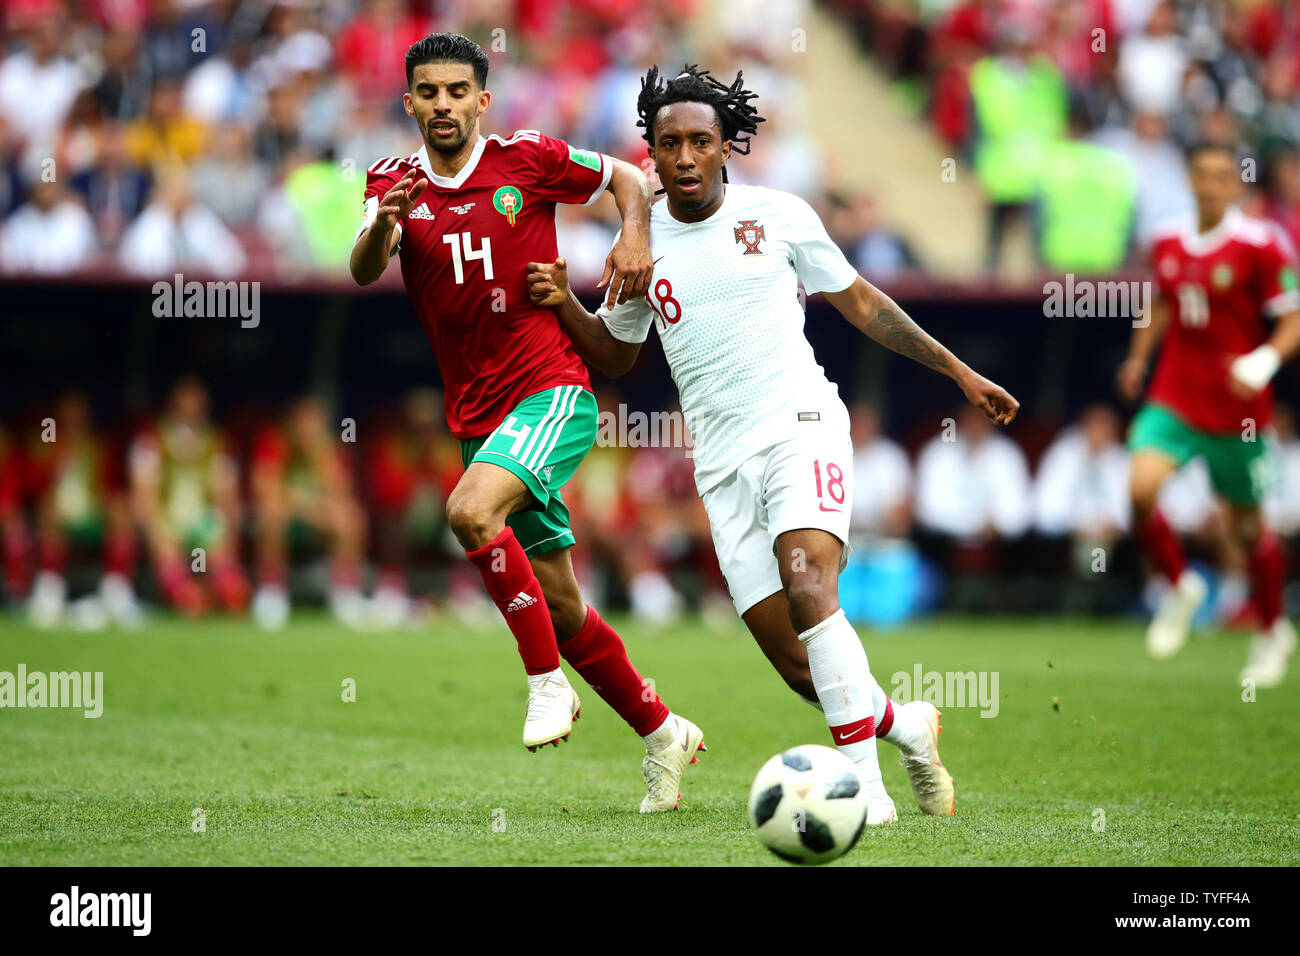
column 751, row 234
column 508, row 201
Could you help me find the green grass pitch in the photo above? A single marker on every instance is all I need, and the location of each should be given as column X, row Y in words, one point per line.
column 1097, row 755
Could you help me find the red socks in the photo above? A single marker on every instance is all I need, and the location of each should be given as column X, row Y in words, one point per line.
column 513, row 587
column 345, row 575
column 1162, row 546
column 52, row 555
column 119, row 553
column 1266, row 564
column 16, row 544
column 230, row 584
column 597, row 653
column 1266, row 572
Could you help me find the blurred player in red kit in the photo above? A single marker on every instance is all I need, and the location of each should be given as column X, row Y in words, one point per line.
column 15, row 539
column 412, row 469
column 185, row 498
column 302, row 492
column 80, row 504
column 1219, row 280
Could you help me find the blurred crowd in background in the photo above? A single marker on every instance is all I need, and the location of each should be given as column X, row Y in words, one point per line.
column 231, row 137
column 1075, row 114
column 184, row 512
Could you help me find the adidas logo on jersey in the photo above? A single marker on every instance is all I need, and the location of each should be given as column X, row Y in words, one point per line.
column 519, row 602
column 420, row 212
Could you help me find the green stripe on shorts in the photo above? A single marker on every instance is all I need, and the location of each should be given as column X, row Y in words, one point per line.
column 1243, row 465
column 541, row 442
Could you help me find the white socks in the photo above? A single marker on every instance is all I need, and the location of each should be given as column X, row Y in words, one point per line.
column 537, row 680
column 847, row 692
column 663, row 736
column 907, row 732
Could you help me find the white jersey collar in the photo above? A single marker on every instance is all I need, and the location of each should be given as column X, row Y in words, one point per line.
column 452, row 182
column 727, row 195
column 1203, row 243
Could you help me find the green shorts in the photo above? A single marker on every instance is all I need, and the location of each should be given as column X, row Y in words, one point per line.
column 1242, row 471
column 86, row 532
column 542, row 442
column 205, row 531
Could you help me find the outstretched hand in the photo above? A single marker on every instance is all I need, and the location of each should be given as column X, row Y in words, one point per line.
column 400, row 200
column 990, row 398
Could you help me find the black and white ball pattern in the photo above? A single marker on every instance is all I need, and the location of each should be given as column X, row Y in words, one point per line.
column 807, row 804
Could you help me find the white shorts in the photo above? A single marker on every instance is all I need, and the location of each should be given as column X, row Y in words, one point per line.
column 804, row 482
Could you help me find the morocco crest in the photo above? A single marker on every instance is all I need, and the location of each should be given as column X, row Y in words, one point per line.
column 508, row 201
column 751, row 234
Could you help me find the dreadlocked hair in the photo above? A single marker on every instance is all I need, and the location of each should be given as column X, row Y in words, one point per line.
column 737, row 117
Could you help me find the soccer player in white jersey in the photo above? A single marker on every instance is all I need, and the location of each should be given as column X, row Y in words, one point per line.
column 772, row 450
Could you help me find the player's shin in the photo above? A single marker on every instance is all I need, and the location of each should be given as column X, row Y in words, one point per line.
column 514, row 589
column 897, row 726
column 1266, row 577
column 16, row 546
column 597, row 653
column 1162, row 546
column 844, row 684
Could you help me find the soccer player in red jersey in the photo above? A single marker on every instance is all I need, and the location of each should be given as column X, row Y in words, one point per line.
column 184, row 488
column 300, row 483
column 1218, row 280
column 411, row 468
column 15, row 539
column 80, row 504
column 466, row 214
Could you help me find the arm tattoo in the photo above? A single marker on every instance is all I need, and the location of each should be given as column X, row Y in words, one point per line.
column 891, row 327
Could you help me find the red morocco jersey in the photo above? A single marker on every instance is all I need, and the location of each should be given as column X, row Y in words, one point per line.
column 1219, row 286
column 465, row 248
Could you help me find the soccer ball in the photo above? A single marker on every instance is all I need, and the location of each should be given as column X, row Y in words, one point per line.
column 807, row 804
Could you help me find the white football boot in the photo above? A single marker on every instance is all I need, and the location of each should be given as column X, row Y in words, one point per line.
column 663, row 766
column 932, row 784
column 350, row 608
column 880, row 805
column 1269, row 650
column 1168, row 630
column 271, row 607
column 390, row 607
column 118, row 596
column 880, row 811
column 87, row 614
column 49, row 598
column 553, row 706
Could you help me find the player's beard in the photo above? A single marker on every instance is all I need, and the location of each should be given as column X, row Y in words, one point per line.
column 452, row 145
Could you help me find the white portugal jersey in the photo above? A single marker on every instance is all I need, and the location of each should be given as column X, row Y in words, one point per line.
column 725, row 301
